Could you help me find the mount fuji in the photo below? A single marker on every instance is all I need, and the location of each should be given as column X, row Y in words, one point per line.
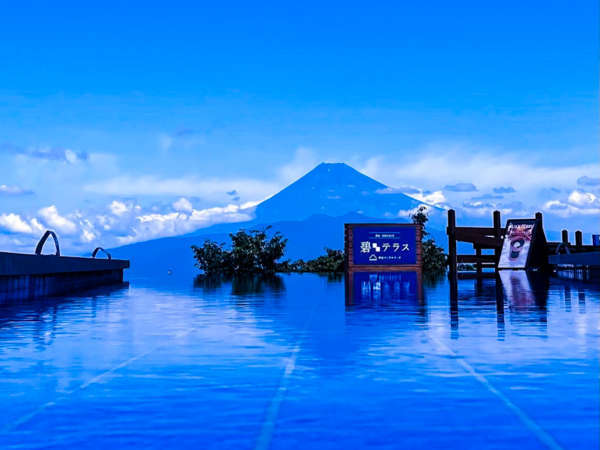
column 310, row 213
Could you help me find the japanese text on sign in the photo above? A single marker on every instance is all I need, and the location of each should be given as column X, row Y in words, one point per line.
column 392, row 246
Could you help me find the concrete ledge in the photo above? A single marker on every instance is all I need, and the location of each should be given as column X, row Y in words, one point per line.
column 25, row 276
column 576, row 259
column 23, row 287
column 12, row 264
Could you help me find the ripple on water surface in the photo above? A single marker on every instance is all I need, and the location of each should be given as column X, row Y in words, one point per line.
column 371, row 360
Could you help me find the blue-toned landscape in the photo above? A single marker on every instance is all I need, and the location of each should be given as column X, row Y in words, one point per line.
column 309, row 225
column 291, row 362
column 310, row 213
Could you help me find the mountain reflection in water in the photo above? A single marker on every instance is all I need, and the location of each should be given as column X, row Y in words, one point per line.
column 373, row 360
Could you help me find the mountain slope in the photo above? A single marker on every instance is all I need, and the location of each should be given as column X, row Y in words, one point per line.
column 306, row 239
column 310, row 213
column 335, row 190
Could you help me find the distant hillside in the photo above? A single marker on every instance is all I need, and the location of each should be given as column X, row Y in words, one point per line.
column 310, row 213
column 306, row 239
column 334, row 190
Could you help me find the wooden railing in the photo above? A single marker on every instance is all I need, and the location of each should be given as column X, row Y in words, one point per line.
column 481, row 237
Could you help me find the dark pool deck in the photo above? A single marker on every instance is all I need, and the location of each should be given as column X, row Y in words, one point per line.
column 27, row 276
column 290, row 363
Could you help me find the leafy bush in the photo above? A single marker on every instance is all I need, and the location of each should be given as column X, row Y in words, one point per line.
column 434, row 258
column 211, row 258
column 331, row 262
column 254, row 252
column 251, row 252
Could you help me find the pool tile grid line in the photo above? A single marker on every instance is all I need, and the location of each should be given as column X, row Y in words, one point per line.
column 539, row 432
column 27, row 417
column 268, row 426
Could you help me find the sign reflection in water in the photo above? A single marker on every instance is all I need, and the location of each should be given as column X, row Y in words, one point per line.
column 383, row 286
column 525, row 289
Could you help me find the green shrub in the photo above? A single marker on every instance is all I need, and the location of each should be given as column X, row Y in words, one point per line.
column 211, row 258
column 434, row 258
column 251, row 252
column 332, row 262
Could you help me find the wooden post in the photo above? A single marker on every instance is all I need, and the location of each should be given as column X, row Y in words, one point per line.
column 578, row 239
column 498, row 233
column 478, row 263
column 451, row 241
column 539, row 218
column 565, row 237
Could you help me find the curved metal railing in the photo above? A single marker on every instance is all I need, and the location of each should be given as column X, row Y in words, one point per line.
column 97, row 249
column 40, row 245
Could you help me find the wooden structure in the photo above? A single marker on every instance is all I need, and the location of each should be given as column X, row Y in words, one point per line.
column 551, row 254
column 566, row 247
column 24, row 276
column 577, row 261
column 352, row 260
column 482, row 238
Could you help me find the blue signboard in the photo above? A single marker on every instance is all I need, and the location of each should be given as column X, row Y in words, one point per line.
column 384, row 246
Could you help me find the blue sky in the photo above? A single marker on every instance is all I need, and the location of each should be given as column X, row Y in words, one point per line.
column 141, row 105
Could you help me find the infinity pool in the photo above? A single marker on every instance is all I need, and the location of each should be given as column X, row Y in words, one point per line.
column 303, row 361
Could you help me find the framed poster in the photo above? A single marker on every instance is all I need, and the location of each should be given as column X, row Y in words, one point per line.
column 517, row 244
column 383, row 245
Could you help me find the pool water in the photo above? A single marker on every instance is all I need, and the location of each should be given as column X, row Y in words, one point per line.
column 304, row 361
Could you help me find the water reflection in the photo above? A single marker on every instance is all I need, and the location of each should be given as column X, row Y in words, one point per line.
column 520, row 296
column 41, row 306
column 383, row 287
column 242, row 285
column 207, row 361
column 524, row 289
column 44, row 313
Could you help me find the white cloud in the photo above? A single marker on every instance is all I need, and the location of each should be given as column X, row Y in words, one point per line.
column 436, row 198
column 13, row 190
column 183, row 204
column 214, row 189
column 49, row 153
column 15, row 224
column 148, row 226
column 423, row 177
column 118, row 208
column 304, row 160
column 87, row 236
column 584, row 199
column 525, row 182
column 563, row 209
column 439, row 165
column 408, row 213
column 486, row 208
column 55, row 220
column 125, row 222
column 577, row 203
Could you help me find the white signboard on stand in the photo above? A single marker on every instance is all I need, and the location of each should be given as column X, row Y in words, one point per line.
column 517, row 244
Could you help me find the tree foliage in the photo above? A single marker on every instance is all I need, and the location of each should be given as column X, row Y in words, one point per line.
column 254, row 252
column 332, row 262
column 251, row 252
column 434, row 258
